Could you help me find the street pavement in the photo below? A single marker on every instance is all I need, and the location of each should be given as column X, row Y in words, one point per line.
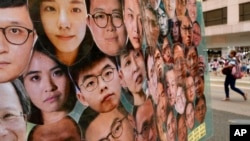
column 235, row 111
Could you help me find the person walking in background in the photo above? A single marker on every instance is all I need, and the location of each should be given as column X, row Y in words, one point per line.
column 215, row 65
column 230, row 80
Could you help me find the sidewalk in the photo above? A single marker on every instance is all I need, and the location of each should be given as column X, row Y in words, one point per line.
column 236, row 104
column 218, row 81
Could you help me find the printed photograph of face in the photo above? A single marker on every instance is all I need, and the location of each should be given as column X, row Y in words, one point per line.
column 171, row 84
column 105, row 20
column 63, row 24
column 162, row 103
column 201, row 65
column 175, row 30
column 199, row 85
column 200, row 108
column 14, row 45
column 170, row 6
column 192, row 9
column 182, row 133
column 171, row 125
column 161, row 112
column 163, row 20
column 186, row 29
column 98, row 81
column 145, row 126
column 132, row 72
column 189, row 114
column 180, row 8
column 158, row 60
column 179, row 62
column 48, row 87
column 196, row 33
column 166, row 52
column 133, row 22
column 118, row 125
column 190, row 87
column 180, row 98
column 151, row 24
column 192, row 60
column 65, row 129
column 151, row 75
column 14, row 108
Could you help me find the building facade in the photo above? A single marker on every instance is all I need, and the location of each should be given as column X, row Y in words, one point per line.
column 227, row 26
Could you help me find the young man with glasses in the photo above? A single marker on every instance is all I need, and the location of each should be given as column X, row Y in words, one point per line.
column 105, row 20
column 98, row 81
column 186, row 28
column 14, row 108
column 16, row 38
column 114, row 125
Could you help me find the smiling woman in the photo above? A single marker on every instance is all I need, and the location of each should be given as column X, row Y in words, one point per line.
column 61, row 24
column 48, row 87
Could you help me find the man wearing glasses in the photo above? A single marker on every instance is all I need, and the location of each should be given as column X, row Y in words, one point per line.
column 16, row 38
column 105, row 20
column 113, row 125
column 14, row 108
column 98, row 81
column 186, row 29
column 144, row 117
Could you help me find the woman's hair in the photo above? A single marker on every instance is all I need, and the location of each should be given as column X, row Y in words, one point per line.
column 36, row 115
column 22, row 96
column 84, row 47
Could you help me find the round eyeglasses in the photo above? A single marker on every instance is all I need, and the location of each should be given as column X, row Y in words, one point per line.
column 146, row 129
column 16, row 35
column 116, row 130
column 101, row 19
column 91, row 82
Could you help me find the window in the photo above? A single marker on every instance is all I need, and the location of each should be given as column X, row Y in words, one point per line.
column 244, row 11
column 215, row 17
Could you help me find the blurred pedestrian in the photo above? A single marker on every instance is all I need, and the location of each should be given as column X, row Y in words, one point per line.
column 230, row 80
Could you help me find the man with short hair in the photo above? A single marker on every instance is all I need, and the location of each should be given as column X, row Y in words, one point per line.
column 17, row 36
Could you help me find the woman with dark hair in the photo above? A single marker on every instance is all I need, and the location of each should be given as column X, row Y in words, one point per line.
column 230, row 79
column 49, row 88
column 61, row 25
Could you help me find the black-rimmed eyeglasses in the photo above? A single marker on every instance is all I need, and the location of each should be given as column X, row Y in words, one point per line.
column 116, row 130
column 16, row 35
column 146, row 129
column 91, row 82
column 101, row 19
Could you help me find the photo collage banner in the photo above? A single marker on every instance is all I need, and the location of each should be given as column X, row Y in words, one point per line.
column 128, row 70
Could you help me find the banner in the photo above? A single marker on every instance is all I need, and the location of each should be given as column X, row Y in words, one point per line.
column 129, row 70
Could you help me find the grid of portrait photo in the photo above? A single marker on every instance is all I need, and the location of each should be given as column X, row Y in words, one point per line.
column 102, row 70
